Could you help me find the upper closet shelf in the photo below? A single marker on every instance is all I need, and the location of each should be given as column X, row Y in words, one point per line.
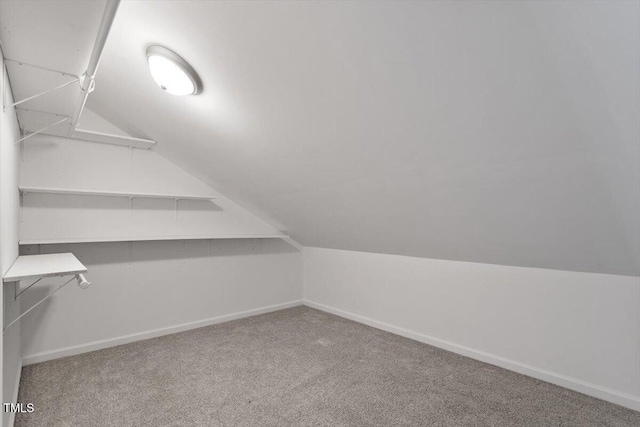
column 83, row 192
column 106, row 138
column 149, row 238
column 37, row 266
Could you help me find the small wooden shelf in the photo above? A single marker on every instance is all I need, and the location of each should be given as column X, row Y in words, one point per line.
column 82, row 192
column 107, row 138
column 37, row 266
column 147, row 238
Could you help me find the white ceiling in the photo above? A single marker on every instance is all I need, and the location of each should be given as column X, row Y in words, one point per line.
column 497, row 132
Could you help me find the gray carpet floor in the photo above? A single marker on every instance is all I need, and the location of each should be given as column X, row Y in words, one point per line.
column 295, row 367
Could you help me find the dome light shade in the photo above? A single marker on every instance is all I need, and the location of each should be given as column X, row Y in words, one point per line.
column 172, row 73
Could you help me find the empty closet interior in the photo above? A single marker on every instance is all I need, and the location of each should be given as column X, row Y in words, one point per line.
column 320, row 213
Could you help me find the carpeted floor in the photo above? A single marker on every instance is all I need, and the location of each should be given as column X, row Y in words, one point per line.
column 295, row 367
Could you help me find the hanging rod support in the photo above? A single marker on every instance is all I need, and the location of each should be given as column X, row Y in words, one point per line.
column 75, row 80
column 38, row 303
column 25, row 289
column 87, row 84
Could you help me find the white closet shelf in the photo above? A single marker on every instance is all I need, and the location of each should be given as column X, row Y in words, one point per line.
column 107, row 138
column 37, row 266
column 81, row 192
column 147, row 238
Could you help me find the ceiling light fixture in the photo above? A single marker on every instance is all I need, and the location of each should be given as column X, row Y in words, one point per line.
column 172, row 73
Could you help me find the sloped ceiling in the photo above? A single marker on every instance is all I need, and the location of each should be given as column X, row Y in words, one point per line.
column 496, row 132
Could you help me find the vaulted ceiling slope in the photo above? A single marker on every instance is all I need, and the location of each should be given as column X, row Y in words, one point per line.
column 495, row 132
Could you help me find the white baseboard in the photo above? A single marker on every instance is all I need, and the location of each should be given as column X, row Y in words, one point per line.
column 112, row 342
column 613, row 396
column 623, row 399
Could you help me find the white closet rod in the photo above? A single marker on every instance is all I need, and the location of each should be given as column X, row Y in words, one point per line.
column 88, row 82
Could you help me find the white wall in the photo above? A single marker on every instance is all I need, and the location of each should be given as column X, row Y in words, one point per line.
column 49, row 161
column 579, row 330
column 9, row 207
column 94, row 122
column 144, row 289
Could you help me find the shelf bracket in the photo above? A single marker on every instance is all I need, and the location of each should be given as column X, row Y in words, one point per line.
column 38, row 95
column 75, row 79
column 30, row 134
column 39, row 302
column 17, row 294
